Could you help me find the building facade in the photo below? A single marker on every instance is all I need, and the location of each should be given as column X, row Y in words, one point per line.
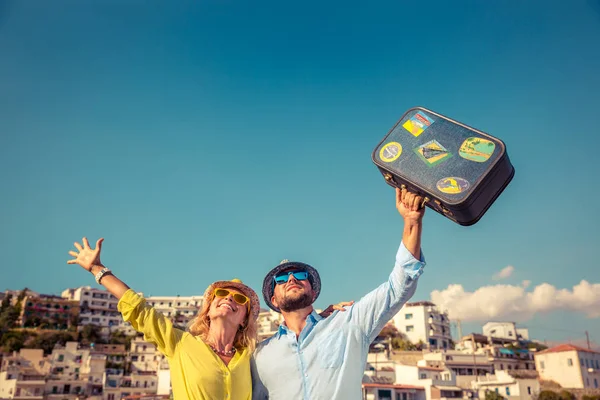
column 23, row 375
column 570, row 366
column 508, row 385
column 423, row 322
column 179, row 309
column 96, row 307
column 505, row 330
column 48, row 312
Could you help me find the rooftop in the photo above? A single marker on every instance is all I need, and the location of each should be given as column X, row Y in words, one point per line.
column 566, row 347
column 420, row 303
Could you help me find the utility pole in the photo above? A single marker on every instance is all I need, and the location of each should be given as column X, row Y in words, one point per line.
column 587, row 337
column 474, row 359
column 459, row 329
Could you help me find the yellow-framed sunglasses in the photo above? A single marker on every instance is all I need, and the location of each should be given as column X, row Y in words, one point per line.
column 237, row 297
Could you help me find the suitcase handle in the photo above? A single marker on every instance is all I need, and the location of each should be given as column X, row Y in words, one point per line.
column 402, row 187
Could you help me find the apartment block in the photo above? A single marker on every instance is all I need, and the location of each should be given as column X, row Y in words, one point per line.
column 423, row 322
column 570, row 366
column 76, row 371
column 501, row 352
column 97, row 307
column 510, row 385
column 438, row 382
column 48, row 312
column 180, row 309
column 23, row 375
column 144, row 357
column 505, row 330
column 268, row 323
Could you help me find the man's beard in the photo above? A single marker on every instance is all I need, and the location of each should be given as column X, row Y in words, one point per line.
column 288, row 304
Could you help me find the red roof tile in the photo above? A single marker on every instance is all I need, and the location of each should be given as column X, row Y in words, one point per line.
column 566, row 347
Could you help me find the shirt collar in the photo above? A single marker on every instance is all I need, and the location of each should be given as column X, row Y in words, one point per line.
column 311, row 320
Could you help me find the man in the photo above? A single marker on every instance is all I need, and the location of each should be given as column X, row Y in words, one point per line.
column 315, row 358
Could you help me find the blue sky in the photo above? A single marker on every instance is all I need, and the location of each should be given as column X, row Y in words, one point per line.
column 207, row 140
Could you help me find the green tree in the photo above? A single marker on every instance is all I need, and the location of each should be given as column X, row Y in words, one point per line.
column 9, row 317
column 399, row 343
column 590, row 397
column 13, row 341
column 5, row 302
column 90, row 334
column 22, row 295
column 48, row 341
column 490, row 395
column 566, row 395
column 548, row 395
column 119, row 337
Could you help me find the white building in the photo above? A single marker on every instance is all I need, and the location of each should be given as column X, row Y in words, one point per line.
column 505, row 330
column 508, row 385
column 438, row 382
column 180, row 309
column 501, row 357
column 22, row 375
column 144, row 357
column 76, row 371
column 570, row 366
column 268, row 323
column 423, row 322
column 96, row 307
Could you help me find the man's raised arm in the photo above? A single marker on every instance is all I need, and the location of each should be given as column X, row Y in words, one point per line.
column 375, row 309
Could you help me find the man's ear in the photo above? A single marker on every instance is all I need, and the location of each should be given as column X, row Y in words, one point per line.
column 274, row 301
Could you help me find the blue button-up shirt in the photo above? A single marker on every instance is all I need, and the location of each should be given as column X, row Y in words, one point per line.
column 327, row 361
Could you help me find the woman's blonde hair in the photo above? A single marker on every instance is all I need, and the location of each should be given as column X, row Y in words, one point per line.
column 245, row 337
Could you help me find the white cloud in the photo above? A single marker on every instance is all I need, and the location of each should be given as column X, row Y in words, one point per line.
column 504, row 273
column 515, row 303
column 525, row 283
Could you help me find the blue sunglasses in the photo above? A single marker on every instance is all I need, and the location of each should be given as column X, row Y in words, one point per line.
column 283, row 277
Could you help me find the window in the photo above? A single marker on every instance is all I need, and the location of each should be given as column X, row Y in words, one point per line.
column 596, row 383
column 507, row 391
column 423, row 376
column 586, row 363
column 529, row 390
column 410, row 328
column 384, row 394
column 510, row 333
column 581, row 361
column 61, row 357
column 569, row 362
column 408, row 316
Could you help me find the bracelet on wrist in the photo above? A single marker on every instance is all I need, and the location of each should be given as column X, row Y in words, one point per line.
column 104, row 271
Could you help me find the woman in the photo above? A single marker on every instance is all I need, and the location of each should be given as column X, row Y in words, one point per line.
column 212, row 359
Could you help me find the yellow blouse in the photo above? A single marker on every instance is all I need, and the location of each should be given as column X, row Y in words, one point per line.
column 196, row 371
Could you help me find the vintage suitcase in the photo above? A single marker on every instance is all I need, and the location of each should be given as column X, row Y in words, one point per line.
column 459, row 170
